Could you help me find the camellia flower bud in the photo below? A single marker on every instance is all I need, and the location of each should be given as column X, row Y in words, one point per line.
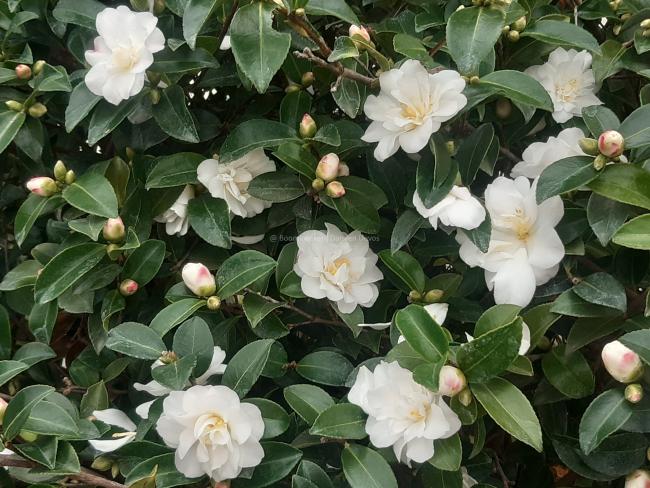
column 14, row 105
column 37, row 110
column 344, row 170
column 128, row 287
column 638, row 479
column 308, row 126
column 415, row 296
column 611, row 144
column 60, row 170
column 513, row 36
column 214, row 303
column 465, row 397
column 645, row 24
column 328, row 167
column 70, row 177
column 168, row 357
column 38, row 66
column 622, row 362
column 3, row 407
column 307, row 79
column 158, row 7
column 433, row 296
column 335, row 189
column 634, row 393
column 589, row 146
column 519, row 24
column 42, row 186
column 23, row 72
column 359, row 31
column 318, row 184
column 503, row 108
column 102, row 463
column 600, row 162
column 451, row 381
column 114, row 230
column 28, row 436
column 197, row 277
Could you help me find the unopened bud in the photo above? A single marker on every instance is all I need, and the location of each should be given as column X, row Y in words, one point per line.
column 589, row 146
column 38, row 66
column 519, row 24
column 360, row 32
column 600, row 162
column 415, row 296
column 198, row 279
column 328, row 167
column 451, row 146
column 646, row 33
column 503, row 108
column 158, row 7
column 474, row 80
column 622, row 362
column 292, row 88
column 70, row 176
column 214, row 303
column 37, row 110
column 128, row 287
column 634, row 393
column 451, row 382
column 102, row 463
column 616, row 30
column 113, row 251
column 115, row 471
column 23, row 72
column 3, row 407
column 307, row 79
column 465, row 397
column 42, row 186
column 114, row 230
column 513, row 36
column 626, row 17
column 318, row 185
column 154, row 96
column 344, row 170
column 638, row 479
column 611, row 143
column 433, row 296
column 335, row 189
column 505, row 29
column 28, row 436
column 60, row 170
column 154, row 77
column 308, row 126
column 168, row 357
column 14, row 105
column 645, row 24
column 300, row 12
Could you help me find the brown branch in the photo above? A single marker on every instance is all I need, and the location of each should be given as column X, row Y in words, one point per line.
column 337, row 68
column 437, row 47
column 85, row 476
column 304, row 27
column 226, row 23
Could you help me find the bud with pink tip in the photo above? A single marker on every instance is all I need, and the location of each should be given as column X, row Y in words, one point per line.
column 128, row 287
column 344, row 170
column 197, row 277
column 451, row 382
column 638, row 479
column 622, row 362
column 335, row 189
column 359, row 31
column 328, row 167
column 23, row 72
column 114, row 230
column 611, row 144
column 308, row 126
column 42, row 186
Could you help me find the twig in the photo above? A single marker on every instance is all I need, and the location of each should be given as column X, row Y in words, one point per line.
column 502, row 474
column 304, row 27
column 437, row 47
column 509, row 154
column 337, row 68
column 85, row 476
column 226, row 23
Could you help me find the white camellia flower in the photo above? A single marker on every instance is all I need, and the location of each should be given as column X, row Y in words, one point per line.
column 402, row 413
column 230, row 181
column 569, row 81
column 212, row 431
column 122, row 53
column 411, row 105
column 525, row 250
column 540, row 155
column 175, row 218
column 458, row 209
column 337, row 266
column 113, row 416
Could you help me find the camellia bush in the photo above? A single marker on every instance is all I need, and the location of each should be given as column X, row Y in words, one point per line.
column 325, row 243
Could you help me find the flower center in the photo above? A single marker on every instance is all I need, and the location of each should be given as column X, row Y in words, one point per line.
column 415, row 114
column 210, row 428
column 334, row 266
column 125, row 58
column 419, row 414
column 521, row 225
column 568, row 91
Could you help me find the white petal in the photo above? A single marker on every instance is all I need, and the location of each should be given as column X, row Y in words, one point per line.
column 113, row 416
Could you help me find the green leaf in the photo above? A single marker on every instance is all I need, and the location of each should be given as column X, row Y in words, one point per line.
column 315, row 473
column 606, row 217
column 412, row 48
column 259, row 50
column 439, row 478
column 175, row 313
column 31, row 209
column 65, row 269
column 448, row 453
column 183, row 60
column 107, row 117
column 435, row 177
column 193, row 337
column 246, row 366
column 625, row 183
column 473, row 151
column 602, row 289
column 276, row 419
column 92, row 193
column 20, row 407
column 174, row 170
column 9, row 369
column 298, row 159
column 164, row 467
column 135, row 340
column 308, row 401
column 210, row 219
column 51, row 79
column 422, row 333
column 33, row 353
column 635, row 128
column 405, row 228
column 10, row 124
column 81, row 103
column 564, row 176
column 604, row 416
column 491, row 353
column 241, row 270
column 78, row 12
column 634, row 234
column 95, row 398
column 50, row 418
column 356, row 210
column 176, row 374
column 325, row 367
column 639, row 342
column 599, row 118
column 276, row 187
column 293, row 107
column 406, row 268
column 143, row 263
column 335, row 8
column 257, row 307
column 344, row 48
column 366, row 468
column 42, row 450
column 42, row 319
column 23, row 275
column 471, row 35
column 586, row 330
column 5, row 334
column 569, row 373
column 90, row 226
column 342, row 421
column 559, row 33
column 254, row 134
column 518, row 87
column 195, row 16
column 511, row 410
column 173, row 116
column 278, row 461
column 568, row 303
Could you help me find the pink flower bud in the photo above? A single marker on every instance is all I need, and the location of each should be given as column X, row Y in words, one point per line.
column 128, row 287
column 198, row 278
column 335, row 189
column 23, row 72
column 328, row 167
column 621, row 362
column 114, row 230
column 452, row 381
column 359, row 31
column 42, row 186
column 638, row 479
column 307, row 126
column 344, row 170
column 611, row 144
